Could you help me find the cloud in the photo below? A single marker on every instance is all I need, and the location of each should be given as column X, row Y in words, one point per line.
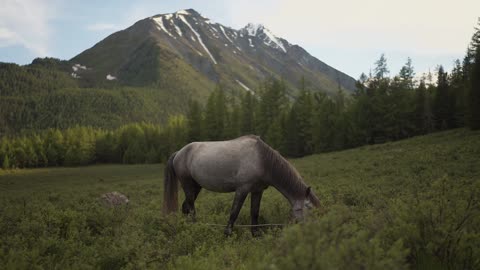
column 100, row 27
column 26, row 23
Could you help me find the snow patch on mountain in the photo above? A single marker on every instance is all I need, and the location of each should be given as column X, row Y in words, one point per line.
column 183, row 12
column 273, row 40
column 244, row 86
column 253, row 28
column 76, row 67
column 179, row 32
column 225, row 34
column 198, row 37
column 160, row 26
column 259, row 31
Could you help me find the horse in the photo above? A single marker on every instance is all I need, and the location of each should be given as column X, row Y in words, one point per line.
column 243, row 165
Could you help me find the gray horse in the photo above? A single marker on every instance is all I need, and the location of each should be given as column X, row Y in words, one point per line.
column 243, row 165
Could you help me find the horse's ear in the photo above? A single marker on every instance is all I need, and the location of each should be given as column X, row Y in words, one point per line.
column 309, row 189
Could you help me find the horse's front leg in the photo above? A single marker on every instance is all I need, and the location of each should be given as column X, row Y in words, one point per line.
column 256, row 197
column 240, row 196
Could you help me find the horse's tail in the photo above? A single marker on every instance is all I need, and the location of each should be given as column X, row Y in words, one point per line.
column 170, row 187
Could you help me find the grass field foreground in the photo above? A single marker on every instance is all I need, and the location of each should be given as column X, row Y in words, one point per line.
column 407, row 204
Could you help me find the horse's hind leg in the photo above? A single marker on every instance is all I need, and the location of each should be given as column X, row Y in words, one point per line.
column 191, row 190
column 256, row 197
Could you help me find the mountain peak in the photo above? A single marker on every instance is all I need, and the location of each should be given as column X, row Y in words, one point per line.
column 189, row 11
column 244, row 57
column 184, row 12
column 259, row 31
column 252, row 29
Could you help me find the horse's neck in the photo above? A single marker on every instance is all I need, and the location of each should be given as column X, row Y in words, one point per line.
column 291, row 191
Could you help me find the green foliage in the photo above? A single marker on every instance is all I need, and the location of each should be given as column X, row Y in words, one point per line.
column 338, row 239
column 443, row 110
column 6, row 163
column 215, row 114
column 131, row 144
column 410, row 204
column 248, row 104
column 474, row 93
column 194, row 122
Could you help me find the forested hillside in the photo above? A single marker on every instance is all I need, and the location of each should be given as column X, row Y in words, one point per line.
column 43, row 108
column 43, row 95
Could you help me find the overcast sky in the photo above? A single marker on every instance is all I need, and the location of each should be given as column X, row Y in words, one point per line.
column 346, row 34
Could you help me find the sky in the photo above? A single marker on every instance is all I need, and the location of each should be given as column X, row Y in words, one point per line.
column 349, row 35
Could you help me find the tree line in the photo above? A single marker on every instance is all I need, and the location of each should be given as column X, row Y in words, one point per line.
column 383, row 108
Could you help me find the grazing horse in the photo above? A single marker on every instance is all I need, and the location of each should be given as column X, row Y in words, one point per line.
column 243, row 165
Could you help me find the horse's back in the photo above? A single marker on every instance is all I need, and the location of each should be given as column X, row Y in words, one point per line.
column 221, row 165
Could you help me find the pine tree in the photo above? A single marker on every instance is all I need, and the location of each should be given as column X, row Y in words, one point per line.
column 407, row 75
column 247, row 118
column 442, row 105
column 232, row 128
column 211, row 129
column 176, row 133
column 420, row 108
column 194, row 121
column 272, row 104
column 381, row 70
column 292, row 142
column 323, row 124
column 474, row 93
column 458, row 96
column 304, row 108
column 6, row 162
column 215, row 115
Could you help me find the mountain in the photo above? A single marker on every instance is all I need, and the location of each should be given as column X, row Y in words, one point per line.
column 150, row 70
column 188, row 51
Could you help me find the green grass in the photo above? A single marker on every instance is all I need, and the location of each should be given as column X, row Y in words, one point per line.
column 407, row 204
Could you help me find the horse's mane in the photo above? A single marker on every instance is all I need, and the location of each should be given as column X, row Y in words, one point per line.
column 280, row 170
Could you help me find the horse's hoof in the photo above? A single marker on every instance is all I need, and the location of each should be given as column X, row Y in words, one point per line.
column 228, row 231
column 256, row 233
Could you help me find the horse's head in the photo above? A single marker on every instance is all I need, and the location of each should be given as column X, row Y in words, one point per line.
column 308, row 202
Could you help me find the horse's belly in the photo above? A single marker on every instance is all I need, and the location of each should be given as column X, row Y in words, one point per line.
column 219, row 182
column 222, row 177
column 217, row 185
column 219, row 168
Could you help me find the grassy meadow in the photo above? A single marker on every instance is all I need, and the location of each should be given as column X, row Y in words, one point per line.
column 411, row 204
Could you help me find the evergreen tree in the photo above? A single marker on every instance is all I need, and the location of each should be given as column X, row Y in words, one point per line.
column 55, row 148
column 304, row 107
column 194, row 121
column 215, row 115
column 442, row 104
column 292, row 142
column 107, row 148
column 272, row 104
column 407, row 75
column 474, row 93
column 134, row 154
column 176, row 133
column 232, row 128
column 381, row 70
column 6, row 162
column 247, row 118
column 324, row 124
column 458, row 96
column 420, row 108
